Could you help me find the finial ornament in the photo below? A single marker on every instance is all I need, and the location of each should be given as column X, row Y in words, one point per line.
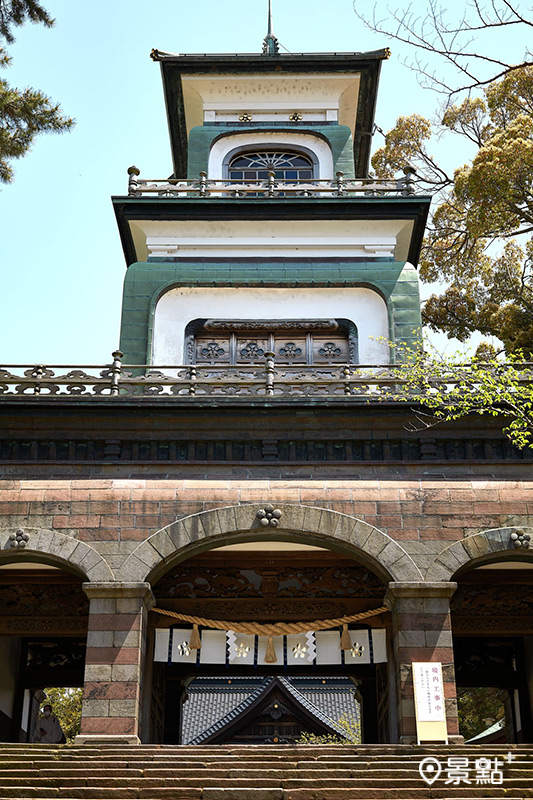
column 270, row 43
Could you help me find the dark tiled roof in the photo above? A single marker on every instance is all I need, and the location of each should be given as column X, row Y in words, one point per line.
column 213, row 702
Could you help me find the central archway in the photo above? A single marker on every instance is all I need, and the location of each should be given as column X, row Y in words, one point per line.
column 308, row 525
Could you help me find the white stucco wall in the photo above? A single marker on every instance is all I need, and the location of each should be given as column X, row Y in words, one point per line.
column 179, row 306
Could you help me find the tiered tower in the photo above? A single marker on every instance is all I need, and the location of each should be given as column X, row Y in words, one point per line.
column 244, row 457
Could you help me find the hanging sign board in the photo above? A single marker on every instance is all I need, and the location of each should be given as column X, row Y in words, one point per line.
column 430, row 707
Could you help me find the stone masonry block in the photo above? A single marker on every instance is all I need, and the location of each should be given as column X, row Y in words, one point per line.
column 163, row 543
column 178, row 535
column 125, row 672
column 328, row 524
column 391, row 554
column 99, row 638
column 62, row 546
column 148, row 554
column 194, row 528
column 226, row 519
column 312, row 517
column 123, row 708
column 477, row 545
column 98, row 672
column 87, row 556
column 405, row 570
column 438, row 639
column 126, row 638
column 103, row 605
column 375, row 544
column 499, row 540
column 411, row 639
column 454, row 557
column 128, row 605
column 95, row 708
column 292, row 519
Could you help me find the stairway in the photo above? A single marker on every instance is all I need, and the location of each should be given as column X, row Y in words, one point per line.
column 238, row 772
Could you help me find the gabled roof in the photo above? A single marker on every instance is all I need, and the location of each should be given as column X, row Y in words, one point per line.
column 257, row 696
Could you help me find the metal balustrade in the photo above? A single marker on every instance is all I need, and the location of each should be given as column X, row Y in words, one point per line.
column 270, row 187
column 268, row 379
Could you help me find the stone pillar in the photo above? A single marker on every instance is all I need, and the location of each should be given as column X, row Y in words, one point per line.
column 422, row 631
column 114, row 662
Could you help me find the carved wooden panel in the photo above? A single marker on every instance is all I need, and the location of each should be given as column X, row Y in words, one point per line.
column 272, row 582
column 43, row 600
column 493, row 608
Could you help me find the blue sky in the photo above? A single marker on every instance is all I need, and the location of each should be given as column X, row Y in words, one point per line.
column 60, row 254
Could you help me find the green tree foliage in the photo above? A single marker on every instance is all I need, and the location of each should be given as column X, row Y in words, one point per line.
column 350, row 726
column 479, row 708
column 66, row 705
column 448, row 389
column 28, row 112
column 479, row 242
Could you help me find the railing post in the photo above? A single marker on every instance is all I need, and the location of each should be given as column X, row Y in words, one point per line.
column 271, row 184
column 192, row 378
column 409, row 181
column 340, row 183
column 39, row 372
column 346, row 377
column 269, row 372
column 133, row 183
column 202, row 184
column 116, row 370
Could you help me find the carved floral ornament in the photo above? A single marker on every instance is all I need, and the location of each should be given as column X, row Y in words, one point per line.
column 521, row 539
column 19, row 539
column 269, row 516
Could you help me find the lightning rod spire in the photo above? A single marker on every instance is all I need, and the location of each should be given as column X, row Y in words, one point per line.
column 270, row 43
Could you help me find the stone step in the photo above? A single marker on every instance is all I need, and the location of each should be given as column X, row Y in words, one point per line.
column 221, row 793
column 9, row 777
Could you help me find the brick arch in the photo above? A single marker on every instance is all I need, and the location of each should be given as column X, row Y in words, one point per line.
column 59, row 550
column 308, row 525
column 478, row 549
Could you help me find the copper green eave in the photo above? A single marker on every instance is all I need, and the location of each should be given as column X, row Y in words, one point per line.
column 367, row 64
column 356, row 207
column 146, row 282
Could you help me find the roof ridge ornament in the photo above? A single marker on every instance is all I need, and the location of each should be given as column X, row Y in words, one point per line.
column 270, row 43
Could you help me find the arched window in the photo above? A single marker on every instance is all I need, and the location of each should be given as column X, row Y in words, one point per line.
column 256, row 166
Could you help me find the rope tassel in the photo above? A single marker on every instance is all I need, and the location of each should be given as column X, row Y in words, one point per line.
column 195, row 643
column 270, row 654
column 346, row 642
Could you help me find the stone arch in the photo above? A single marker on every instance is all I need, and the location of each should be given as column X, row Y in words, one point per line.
column 57, row 549
column 479, row 548
column 305, row 524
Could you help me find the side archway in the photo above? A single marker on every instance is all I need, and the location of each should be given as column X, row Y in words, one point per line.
column 57, row 549
column 480, row 548
column 304, row 524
